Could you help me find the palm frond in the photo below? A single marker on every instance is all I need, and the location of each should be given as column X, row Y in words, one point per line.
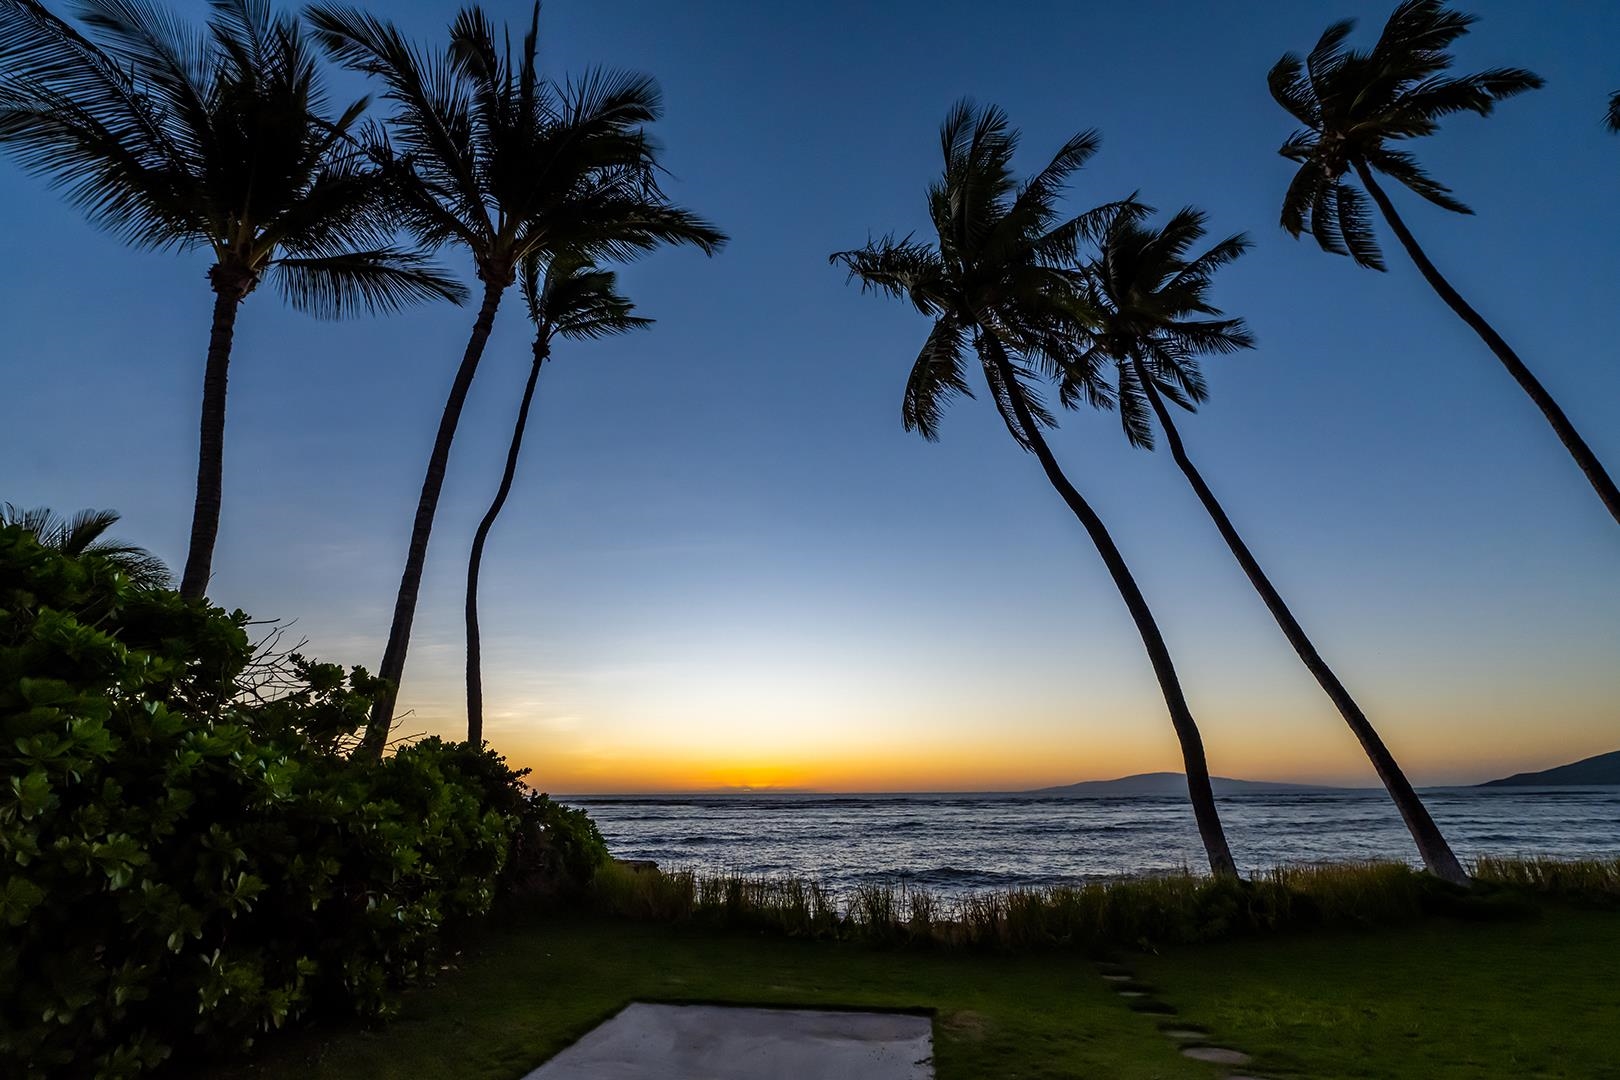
column 1323, row 219
column 1355, row 104
column 41, row 521
column 1135, row 411
column 71, row 113
column 1355, row 225
column 1174, row 376
column 1328, row 58
column 385, row 279
column 1404, row 167
column 143, row 569
column 432, row 117
column 905, row 269
column 573, row 298
column 1155, row 315
column 1292, row 90
column 938, row 375
column 171, row 59
column 1000, row 276
column 997, row 363
column 82, row 535
column 86, row 527
column 1034, row 207
column 1061, row 246
column 1084, row 382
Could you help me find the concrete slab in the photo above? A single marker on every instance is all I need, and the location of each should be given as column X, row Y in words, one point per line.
column 712, row 1042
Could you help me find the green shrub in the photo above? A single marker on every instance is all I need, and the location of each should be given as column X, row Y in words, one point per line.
column 183, row 865
column 561, row 844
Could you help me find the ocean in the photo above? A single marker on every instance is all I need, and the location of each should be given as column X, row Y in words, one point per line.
column 954, row 844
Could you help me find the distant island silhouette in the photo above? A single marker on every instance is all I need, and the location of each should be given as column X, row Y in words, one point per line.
column 1174, row 783
column 1601, row 770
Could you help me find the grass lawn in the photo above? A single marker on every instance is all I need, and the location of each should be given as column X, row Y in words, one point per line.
column 523, row 994
column 1441, row 1001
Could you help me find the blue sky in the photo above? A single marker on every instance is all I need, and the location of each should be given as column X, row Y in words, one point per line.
column 725, row 562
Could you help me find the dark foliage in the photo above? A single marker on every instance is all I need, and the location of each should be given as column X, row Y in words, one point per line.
column 182, row 867
column 1355, row 105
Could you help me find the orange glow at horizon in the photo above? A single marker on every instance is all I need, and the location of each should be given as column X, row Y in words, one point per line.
column 696, row 716
column 1321, row 752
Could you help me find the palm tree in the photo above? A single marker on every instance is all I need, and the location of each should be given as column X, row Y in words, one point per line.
column 83, row 534
column 179, row 140
column 1354, row 105
column 507, row 165
column 1155, row 319
column 995, row 282
column 567, row 297
column 1611, row 119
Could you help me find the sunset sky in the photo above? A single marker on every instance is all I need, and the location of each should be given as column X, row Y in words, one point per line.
column 726, row 564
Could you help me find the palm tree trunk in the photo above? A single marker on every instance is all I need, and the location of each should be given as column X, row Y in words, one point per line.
column 475, row 676
column 1596, row 475
column 410, row 582
column 211, row 445
column 1431, row 843
column 1181, row 718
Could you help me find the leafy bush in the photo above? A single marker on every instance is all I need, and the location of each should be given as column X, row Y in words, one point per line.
column 562, row 845
column 180, row 864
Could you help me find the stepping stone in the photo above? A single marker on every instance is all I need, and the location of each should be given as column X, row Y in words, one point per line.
column 1131, row 993
column 1117, row 978
column 1184, row 1034
column 711, row 1042
column 1218, row 1055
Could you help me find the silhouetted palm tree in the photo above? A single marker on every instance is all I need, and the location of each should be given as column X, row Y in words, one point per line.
column 995, row 282
column 178, row 140
column 1154, row 320
column 566, row 297
column 1611, row 119
column 1354, row 105
column 507, row 165
column 82, row 534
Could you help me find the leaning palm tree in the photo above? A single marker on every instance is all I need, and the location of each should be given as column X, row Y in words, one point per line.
column 491, row 157
column 1154, row 320
column 1354, row 105
column 995, row 282
column 85, row 534
column 1611, row 119
column 566, row 297
column 221, row 140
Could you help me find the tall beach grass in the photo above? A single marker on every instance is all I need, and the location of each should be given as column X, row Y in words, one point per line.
column 1099, row 916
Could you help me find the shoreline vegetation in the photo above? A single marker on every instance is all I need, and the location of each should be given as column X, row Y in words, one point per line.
column 1167, row 909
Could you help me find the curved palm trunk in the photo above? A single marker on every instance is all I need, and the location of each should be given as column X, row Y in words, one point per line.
column 410, row 582
column 475, row 562
column 1431, row 843
column 211, row 444
column 1181, row 718
column 1596, row 475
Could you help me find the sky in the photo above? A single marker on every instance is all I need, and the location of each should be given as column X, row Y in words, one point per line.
column 725, row 564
